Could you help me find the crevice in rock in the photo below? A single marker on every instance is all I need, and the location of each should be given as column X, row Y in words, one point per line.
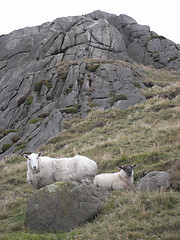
column 15, row 54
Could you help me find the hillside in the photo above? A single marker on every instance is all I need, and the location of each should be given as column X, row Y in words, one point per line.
column 61, row 70
column 147, row 133
column 98, row 85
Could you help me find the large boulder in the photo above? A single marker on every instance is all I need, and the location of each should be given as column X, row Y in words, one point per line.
column 154, row 181
column 62, row 206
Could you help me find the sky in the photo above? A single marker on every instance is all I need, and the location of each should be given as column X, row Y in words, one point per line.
column 163, row 16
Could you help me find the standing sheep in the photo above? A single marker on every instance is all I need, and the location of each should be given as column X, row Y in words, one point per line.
column 112, row 181
column 43, row 171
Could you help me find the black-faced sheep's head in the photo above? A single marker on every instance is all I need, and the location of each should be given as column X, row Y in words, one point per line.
column 33, row 161
column 128, row 169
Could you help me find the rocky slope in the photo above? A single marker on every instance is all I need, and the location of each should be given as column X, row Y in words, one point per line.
column 62, row 69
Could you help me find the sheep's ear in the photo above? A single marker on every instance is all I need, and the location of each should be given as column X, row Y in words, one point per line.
column 39, row 154
column 120, row 167
column 26, row 156
column 135, row 165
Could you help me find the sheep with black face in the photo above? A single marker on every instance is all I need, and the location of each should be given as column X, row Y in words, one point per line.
column 111, row 181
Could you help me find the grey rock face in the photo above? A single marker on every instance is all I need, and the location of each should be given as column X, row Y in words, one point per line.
column 36, row 99
column 63, row 206
column 63, row 68
column 142, row 44
column 154, row 181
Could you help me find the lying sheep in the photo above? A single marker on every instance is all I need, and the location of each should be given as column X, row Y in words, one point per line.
column 43, row 171
column 111, row 181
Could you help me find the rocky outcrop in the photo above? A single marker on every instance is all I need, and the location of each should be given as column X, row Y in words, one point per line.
column 63, row 206
column 66, row 67
column 143, row 45
column 154, row 181
column 35, row 101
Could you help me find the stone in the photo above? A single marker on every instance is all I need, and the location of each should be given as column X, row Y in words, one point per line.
column 8, row 139
column 154, row 45
column 93, row 39
column 136, row 52
column 63, row 206
column 138, row 30
column 45, row 130
column 154, row 181
column 125, row 20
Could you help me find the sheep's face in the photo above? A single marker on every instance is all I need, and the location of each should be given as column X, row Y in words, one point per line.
column 128, row 169
column 33, row 161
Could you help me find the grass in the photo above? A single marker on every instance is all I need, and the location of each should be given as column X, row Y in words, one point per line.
column 3, row 133
column 38, row 86
column 6, row 146
column 92, row 68
column 147, row 134
column 71, row 110
column 35, row 120
column 117, row 98
column 29, row 100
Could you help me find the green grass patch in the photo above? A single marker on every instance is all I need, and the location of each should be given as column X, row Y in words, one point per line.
column 117, row 98
column 71, row 110
column 29, row 100
column 6, row 146
column 92, row 67
column 19, row 147
column 35, row 120
column 137, row 84
column 48, row 84
column 4, row 132
column 38, row 85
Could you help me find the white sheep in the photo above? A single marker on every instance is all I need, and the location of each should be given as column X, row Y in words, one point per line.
column 112, row 181
column 43, row 171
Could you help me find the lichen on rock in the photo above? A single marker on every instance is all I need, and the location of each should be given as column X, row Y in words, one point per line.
column 62, row 206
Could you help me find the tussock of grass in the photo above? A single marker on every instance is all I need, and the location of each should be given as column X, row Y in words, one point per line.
column 133, row 217
column 147, row 134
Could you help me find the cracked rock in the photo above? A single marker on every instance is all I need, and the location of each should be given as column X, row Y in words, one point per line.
column 154, row 181
column 63, row 206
